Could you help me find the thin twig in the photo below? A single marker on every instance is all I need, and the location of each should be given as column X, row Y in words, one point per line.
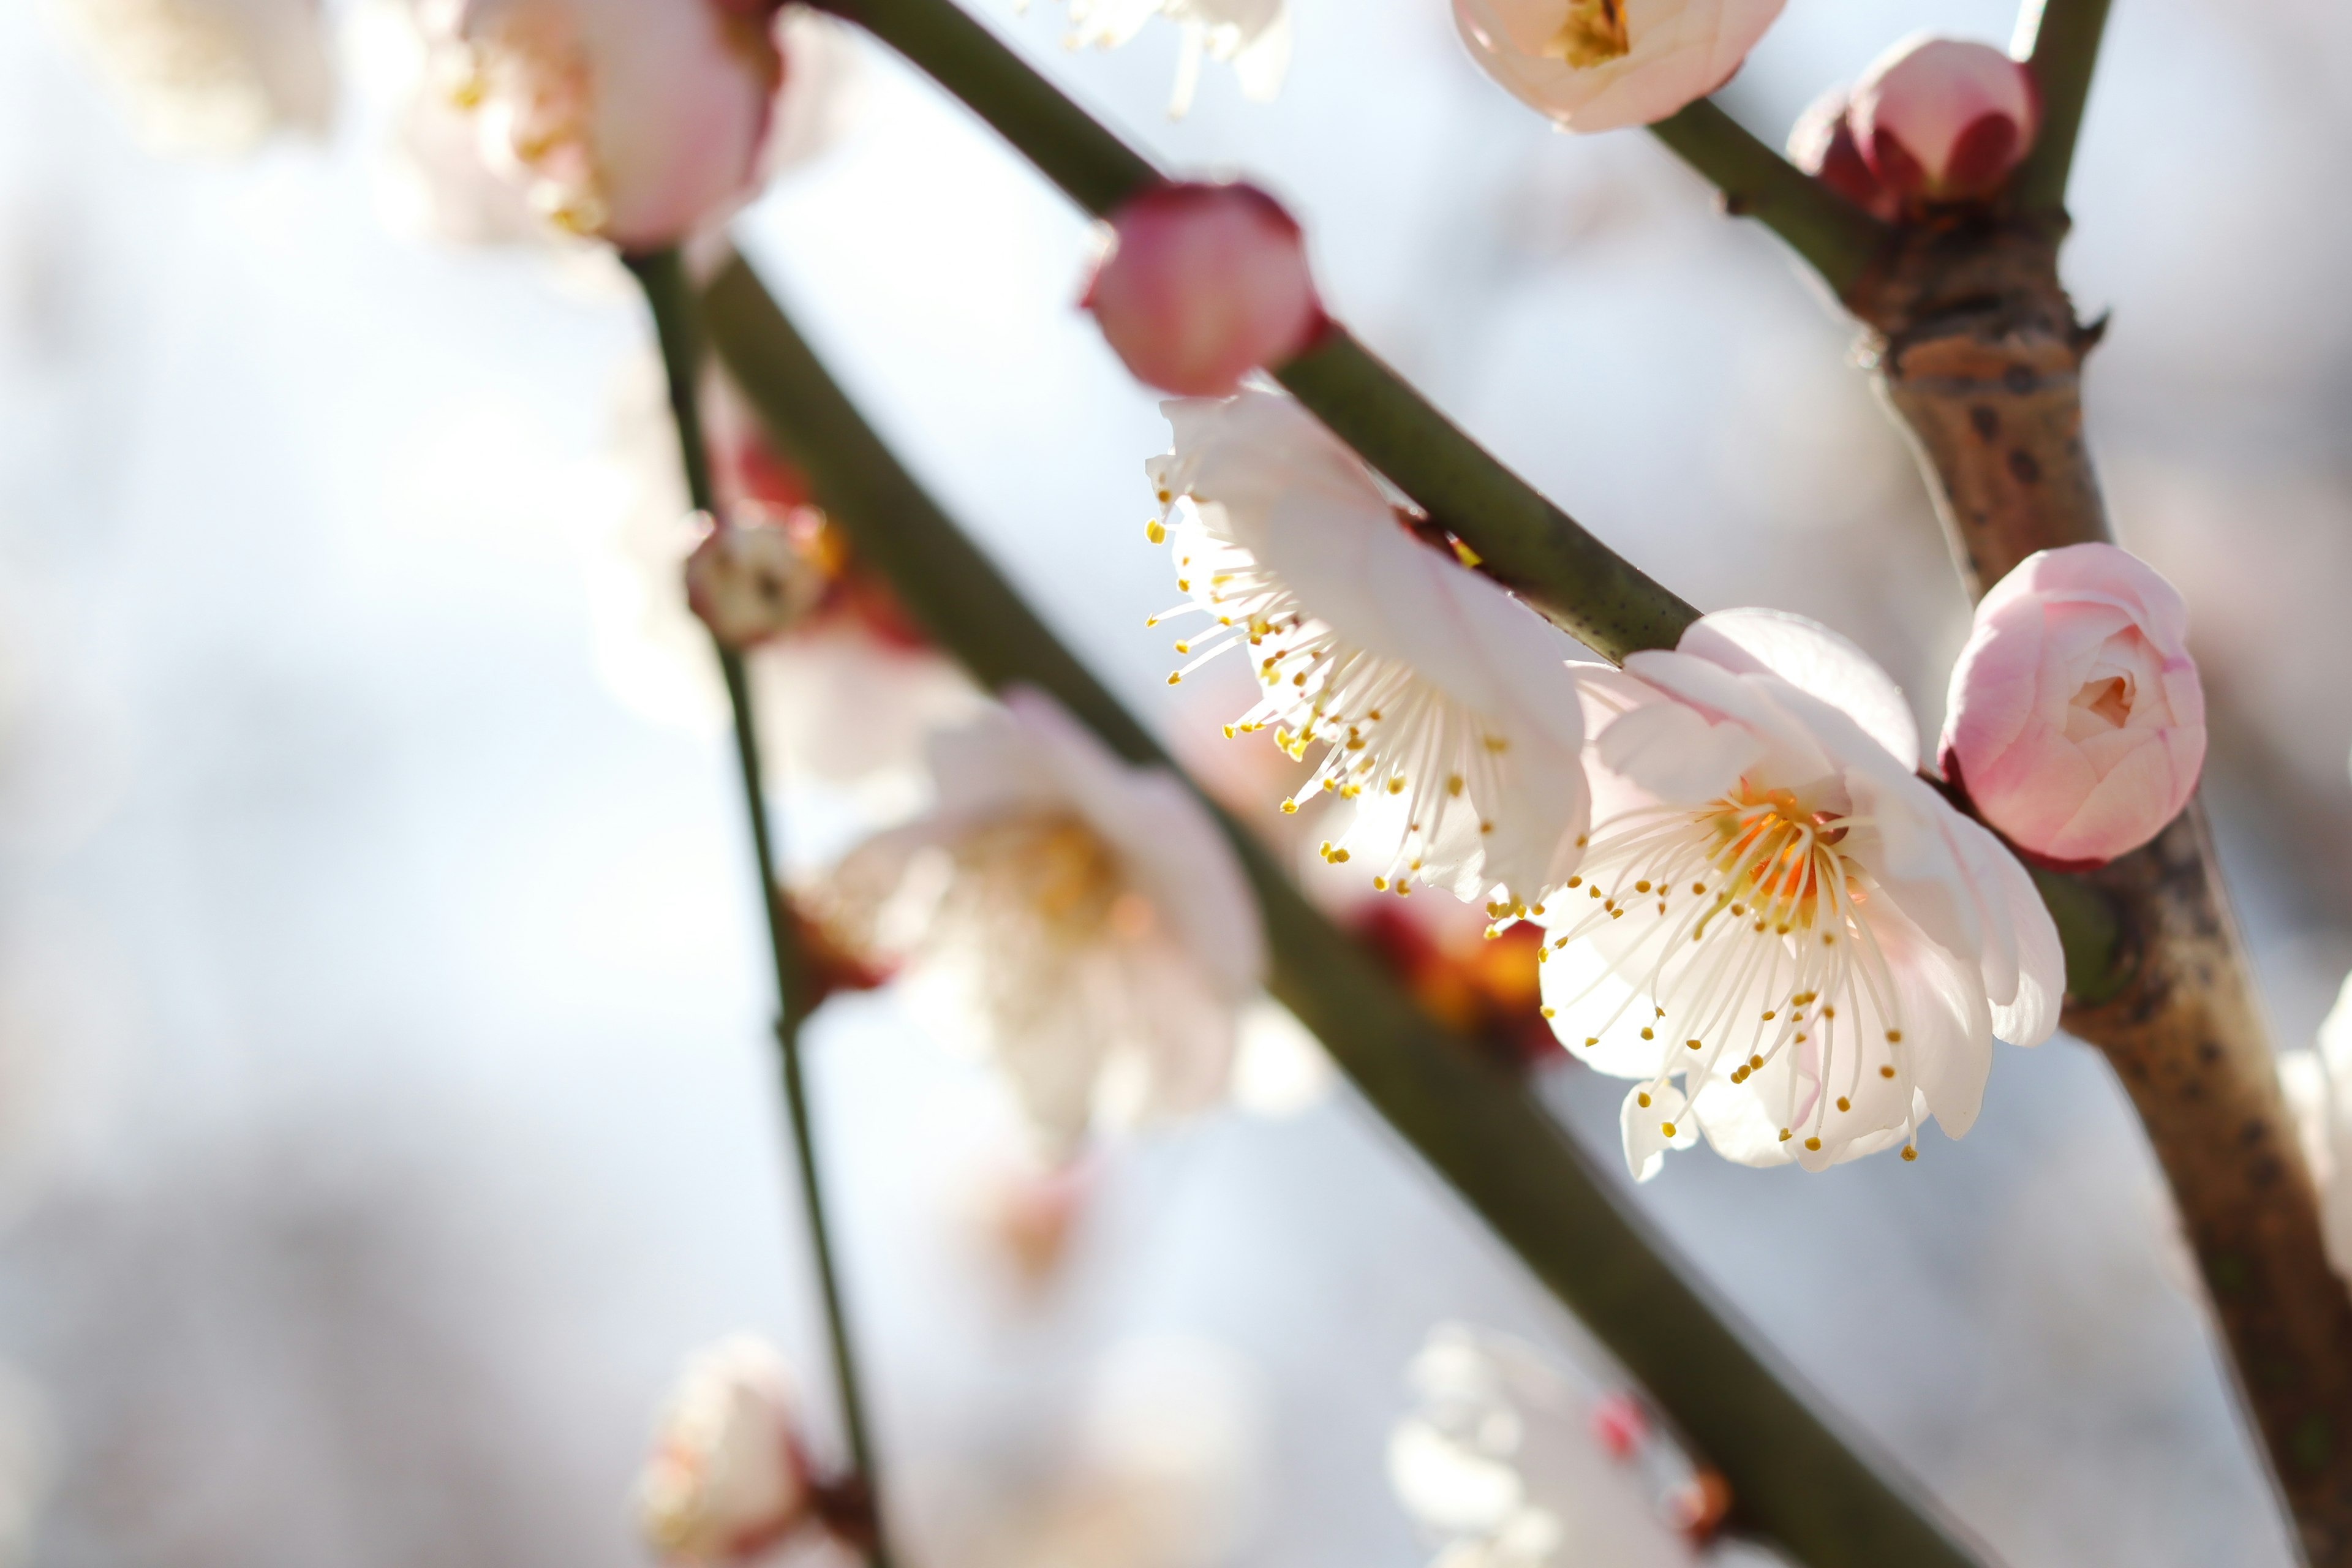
column 1836, row 238
column 1792, row 1476
column 676, row 320
column 2060, row 39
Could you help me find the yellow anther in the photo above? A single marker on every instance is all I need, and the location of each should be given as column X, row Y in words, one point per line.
column 1396, row 785
column 1786, row 1135
column 1755, row 1064
column 1339, row 856
column 1591, row 1039
column 1576, row 882
column 1814, row 1144
column 1909, row 1152
column 1155, row 532
column 1379, row 884
column 1692, row 1044
column 1667, row 1128
column 1642, row 887
column 1174, row 679
column 1886, row 1072
column 1548, row 1013
column 1647, row 1033
column 1894, row 1036
column 1183, row 647
column 1771, row 1014
column 1844, row 1104
column 1643, row 1099
column 1165, row 496
column 1454, row 784
column 1290, row 808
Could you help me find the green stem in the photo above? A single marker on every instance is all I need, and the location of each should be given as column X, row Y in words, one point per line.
column 1527, row 542
column 1487, row 1133
column 1839, row 240
column 2060, row 39
column 678, row 324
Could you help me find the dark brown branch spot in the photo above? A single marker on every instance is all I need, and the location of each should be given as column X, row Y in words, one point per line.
column 2021, row 464
column 1986, row 420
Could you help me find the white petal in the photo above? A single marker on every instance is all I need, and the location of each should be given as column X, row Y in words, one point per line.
column 1673, row 753
column 1644, row 1127
column 1814, row 660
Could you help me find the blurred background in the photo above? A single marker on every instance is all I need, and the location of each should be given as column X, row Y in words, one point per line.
column 385, row 1097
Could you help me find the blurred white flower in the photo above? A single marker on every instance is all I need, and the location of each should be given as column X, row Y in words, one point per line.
column 1776, row 911
column 1161, row 1472
column 751, row 580
column 2318, row 1085
column 1253, row 36
column 210, row 76
column 1597, row 65
column 1446, row 708
column 1081, row 921
column 1512, row 1462
column 727, row 1480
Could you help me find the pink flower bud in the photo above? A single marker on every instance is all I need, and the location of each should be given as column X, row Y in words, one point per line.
column 751, row 579
column 728, row 1478
column 2076, row 721
column 1943, row 120
column 1822, row 144
column 1204, row 284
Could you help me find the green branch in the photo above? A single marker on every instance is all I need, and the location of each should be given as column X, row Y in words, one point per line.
column 2060, row 39
column 677, row 325
column 1836, row 238
column 1526, row 543
column 1793, row 1477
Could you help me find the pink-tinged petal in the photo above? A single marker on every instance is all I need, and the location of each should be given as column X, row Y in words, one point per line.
column 1596, row 66
column 1945, row 119
column 1822, row 144
column 2107, row 749
column 1674, row 753
column 1204, row 284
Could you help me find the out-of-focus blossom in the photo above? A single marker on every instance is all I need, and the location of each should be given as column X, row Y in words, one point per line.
column 1778, row 911
column 2076, row 721
column 2318, row 1085
column 1597, row 65
column 1204, row 284
column 1030, row 1211
column 1512, row 1461
column 846, row 696
column 727, row 1480
column 210, row 76
column 1446, row 707
column 1822, row 144
column 1480, row 983
column 1081, row 921
column 1945, row 119
column 637, row 124
column 1159, row 1473
column 752, row 580
column 1253, row 36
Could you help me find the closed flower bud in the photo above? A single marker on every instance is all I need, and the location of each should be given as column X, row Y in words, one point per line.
column 1204, row 284
column 727, row 1480
column 1596, row 65
column 1942, row 119
column 2076, row 722
column 752, row 580
column 1822, row 144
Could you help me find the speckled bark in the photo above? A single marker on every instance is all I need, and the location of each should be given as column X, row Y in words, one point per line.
column 1977, row 351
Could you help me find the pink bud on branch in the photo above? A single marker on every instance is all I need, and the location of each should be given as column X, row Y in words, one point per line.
column 1941, row 119
column 1204, row 284
column 2076, row 721
column 1824, row 145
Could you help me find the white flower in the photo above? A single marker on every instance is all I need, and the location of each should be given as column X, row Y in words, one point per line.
column 1446, row 708
column 2318, row 1086
column 726, row 1478
column 1253, row 36
column 1502, row 1462
column 1778, row 911
column 1597, row 65
column 1081, row 921
column 210, row 76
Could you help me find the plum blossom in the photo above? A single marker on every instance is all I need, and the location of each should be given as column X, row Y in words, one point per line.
column 1598, row 65
column 2076, row 721
column 1202, row 285
column 1822, row 144
column 1081, row 921
column 1251, row 35
column 210, row 76
column 1445, row 709
column 1516, row 1461
column 1776, row 910
column 727, row 1480
column 2319, row 1087
column 637, row 124
column 1944, row 119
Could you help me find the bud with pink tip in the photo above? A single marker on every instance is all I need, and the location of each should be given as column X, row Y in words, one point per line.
column 2076, row 722
column 1204, row 284
column 752, row 578
column 727, row 1480
column 1943, row 120
column 1822, row 144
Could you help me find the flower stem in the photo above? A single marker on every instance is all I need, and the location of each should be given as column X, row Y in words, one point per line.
column 1525, row 541
column 1487, row 1133
column 676, row 322
column 2060, row 39
column 1836, row 238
